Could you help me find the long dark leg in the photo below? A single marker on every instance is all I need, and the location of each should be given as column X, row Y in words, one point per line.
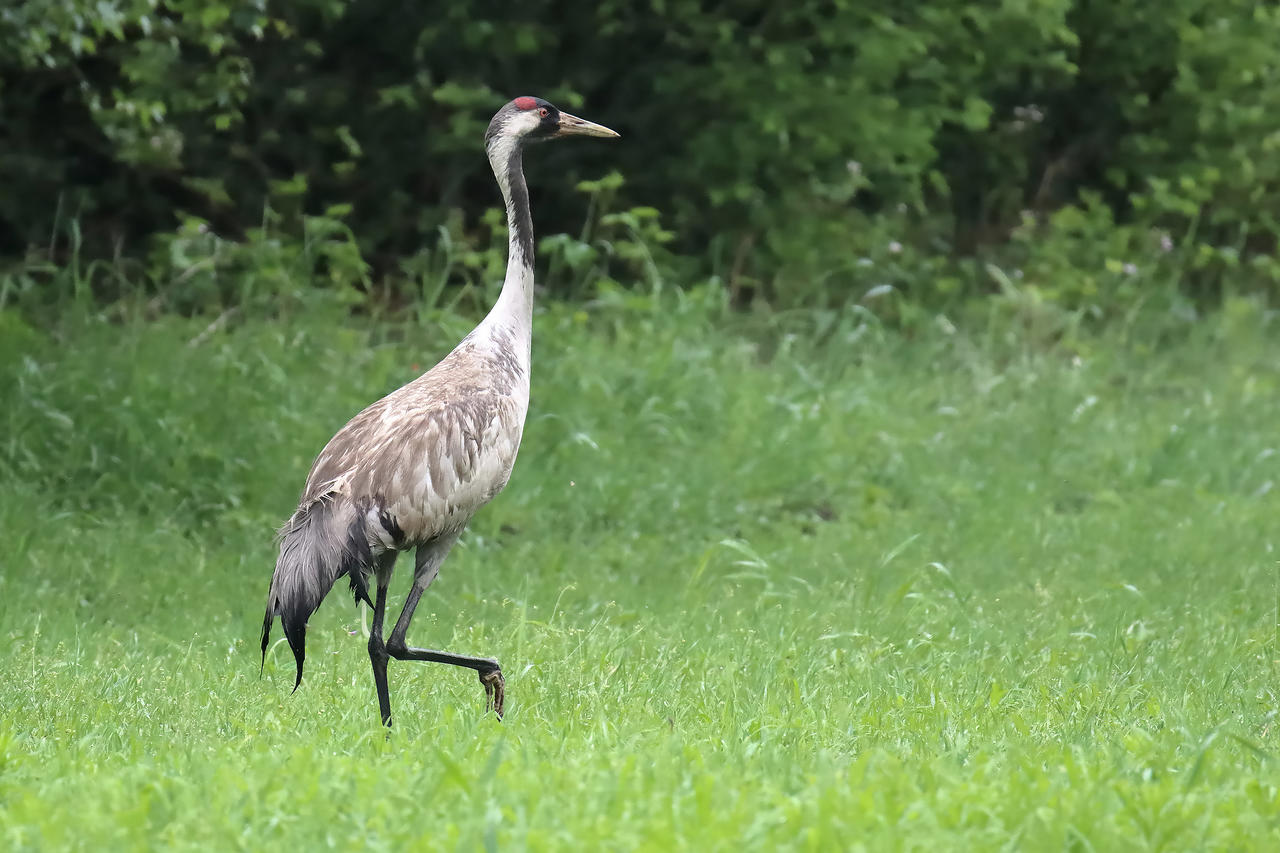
column 429, row 558
column 378, row 651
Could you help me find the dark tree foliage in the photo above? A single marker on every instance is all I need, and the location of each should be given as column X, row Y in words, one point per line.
column 767, row 131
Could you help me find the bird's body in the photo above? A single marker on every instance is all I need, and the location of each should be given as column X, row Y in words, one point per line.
column 411, row 470
column 424, row 458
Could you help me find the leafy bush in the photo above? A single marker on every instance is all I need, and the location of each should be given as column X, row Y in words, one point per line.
column 780, row 144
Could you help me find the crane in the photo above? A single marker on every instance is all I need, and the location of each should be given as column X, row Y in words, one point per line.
column 411, row 470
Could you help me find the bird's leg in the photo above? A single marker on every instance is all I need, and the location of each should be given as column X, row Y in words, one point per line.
column 428, row 566
column 378, row 651
column 488, row 669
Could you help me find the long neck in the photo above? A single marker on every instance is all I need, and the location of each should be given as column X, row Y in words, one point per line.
column 514, row 308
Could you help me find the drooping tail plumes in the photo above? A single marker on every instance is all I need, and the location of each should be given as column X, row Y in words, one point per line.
column 319, row 544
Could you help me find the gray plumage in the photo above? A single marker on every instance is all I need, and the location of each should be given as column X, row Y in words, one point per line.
column 411, row 470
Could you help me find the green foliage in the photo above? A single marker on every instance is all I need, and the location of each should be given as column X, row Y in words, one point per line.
column 780, row 144
column 210, row 272
column 773, row 589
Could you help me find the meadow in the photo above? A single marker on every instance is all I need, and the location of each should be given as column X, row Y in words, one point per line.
column 803, row 582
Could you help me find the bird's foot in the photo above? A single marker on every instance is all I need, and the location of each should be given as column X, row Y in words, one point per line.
column 494, row 690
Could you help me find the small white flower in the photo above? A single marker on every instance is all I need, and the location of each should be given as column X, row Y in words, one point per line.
column 854, row 167
column 1166, row 243
column 1130, row 269
column 866, row 262
column 1031, row 112
column 895, row 247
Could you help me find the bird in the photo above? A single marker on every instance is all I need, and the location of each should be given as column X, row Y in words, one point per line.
column 410, row 471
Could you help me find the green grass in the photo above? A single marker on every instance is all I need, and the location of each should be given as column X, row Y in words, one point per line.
column 815, row 586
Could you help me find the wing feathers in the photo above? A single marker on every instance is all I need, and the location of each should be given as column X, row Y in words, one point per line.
column 413, row 466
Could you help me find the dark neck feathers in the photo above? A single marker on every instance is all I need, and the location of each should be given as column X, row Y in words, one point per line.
column 519, row 220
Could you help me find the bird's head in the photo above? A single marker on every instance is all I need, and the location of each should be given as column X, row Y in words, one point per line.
column 529, row 119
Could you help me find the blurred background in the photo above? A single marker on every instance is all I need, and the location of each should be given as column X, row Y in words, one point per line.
column 801, row 154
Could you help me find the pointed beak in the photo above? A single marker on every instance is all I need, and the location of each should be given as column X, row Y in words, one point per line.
column 574, row 126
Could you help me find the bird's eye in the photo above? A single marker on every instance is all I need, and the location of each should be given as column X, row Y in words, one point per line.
column 543, row 112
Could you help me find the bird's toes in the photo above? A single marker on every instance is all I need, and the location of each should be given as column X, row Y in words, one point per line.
column 494, row 691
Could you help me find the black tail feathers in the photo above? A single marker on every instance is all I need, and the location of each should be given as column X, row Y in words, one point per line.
column 320, row 544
